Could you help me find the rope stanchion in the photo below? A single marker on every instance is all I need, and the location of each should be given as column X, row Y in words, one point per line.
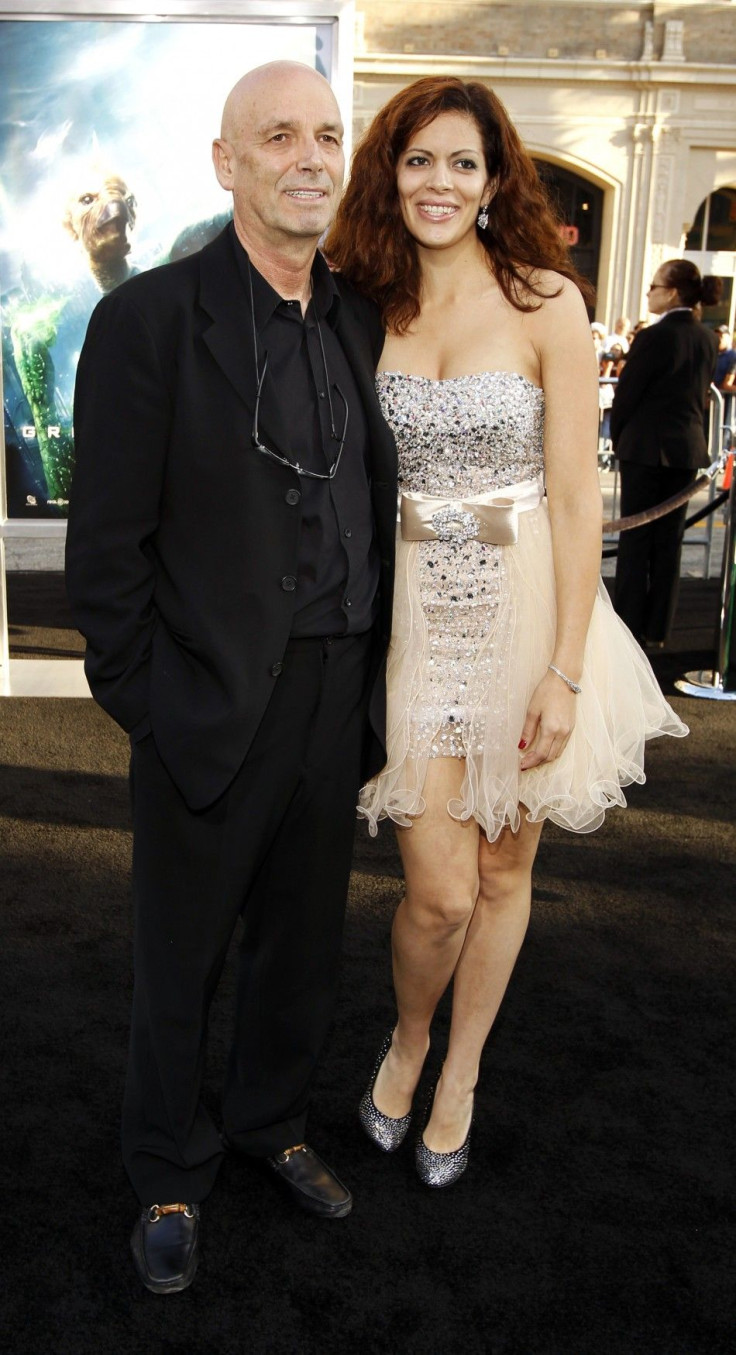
column 719, row 682
column 701, row 514
column 660, row 510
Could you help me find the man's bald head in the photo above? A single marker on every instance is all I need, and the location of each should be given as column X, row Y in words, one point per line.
column 265, row 83
column 280, row 154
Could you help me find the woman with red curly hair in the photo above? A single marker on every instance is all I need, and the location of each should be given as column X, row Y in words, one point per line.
column 515, row 693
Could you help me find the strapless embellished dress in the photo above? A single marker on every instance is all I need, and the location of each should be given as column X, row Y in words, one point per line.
column 474, row 621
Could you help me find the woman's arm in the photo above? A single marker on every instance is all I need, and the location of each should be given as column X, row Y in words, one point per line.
column 569, row 378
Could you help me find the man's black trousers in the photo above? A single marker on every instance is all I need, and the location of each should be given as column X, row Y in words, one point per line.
column 274, row 851
column 648, row 562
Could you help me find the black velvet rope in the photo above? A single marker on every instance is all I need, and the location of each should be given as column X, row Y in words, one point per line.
column 625, row 524
column 661, row 509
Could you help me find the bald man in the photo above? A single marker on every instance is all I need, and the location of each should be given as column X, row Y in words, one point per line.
column 230, row 562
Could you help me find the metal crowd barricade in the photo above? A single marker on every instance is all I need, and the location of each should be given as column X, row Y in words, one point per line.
column 607, row 463
column 719, row 682
column 715, row 443
column 721, row 434
column 729, row 420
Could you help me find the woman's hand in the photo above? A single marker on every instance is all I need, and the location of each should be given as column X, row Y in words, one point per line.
column 549, row 722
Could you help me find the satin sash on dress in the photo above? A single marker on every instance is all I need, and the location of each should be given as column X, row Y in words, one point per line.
column 492, row 518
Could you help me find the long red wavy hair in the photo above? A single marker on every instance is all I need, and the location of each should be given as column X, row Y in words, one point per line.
column 369, row 242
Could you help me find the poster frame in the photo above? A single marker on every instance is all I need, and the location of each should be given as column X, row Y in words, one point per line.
column 17, row 676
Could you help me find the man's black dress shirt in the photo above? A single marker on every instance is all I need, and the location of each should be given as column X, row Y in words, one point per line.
column 337, row 572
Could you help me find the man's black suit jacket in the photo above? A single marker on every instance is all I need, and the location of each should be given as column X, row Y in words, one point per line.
column 657, row 416
column 180, row 533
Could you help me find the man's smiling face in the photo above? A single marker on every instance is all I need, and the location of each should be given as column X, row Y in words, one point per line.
column 281, row 155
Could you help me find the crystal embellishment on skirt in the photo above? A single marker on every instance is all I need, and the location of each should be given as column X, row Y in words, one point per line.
column 457, row 438
column 453, row 523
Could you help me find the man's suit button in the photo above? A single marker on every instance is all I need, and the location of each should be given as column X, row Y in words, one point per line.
column 288, row 583
column 292, row 496
column 276, row 668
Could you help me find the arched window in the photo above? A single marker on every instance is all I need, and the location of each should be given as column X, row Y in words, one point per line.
column 714, row 227
column 580, row 204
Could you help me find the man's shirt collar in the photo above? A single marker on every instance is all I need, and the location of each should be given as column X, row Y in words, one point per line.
column 325, row 296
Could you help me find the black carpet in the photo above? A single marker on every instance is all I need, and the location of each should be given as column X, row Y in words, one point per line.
column 597, row 1215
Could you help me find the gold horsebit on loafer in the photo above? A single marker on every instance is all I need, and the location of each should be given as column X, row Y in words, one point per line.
column 289, row 1152
column 157, row 1211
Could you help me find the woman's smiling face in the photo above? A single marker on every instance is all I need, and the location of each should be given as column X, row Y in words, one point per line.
column 442, row 181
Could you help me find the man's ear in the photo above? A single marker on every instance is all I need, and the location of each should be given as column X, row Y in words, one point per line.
column 222, row 158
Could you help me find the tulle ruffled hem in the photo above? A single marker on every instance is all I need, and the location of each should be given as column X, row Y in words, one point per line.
column 619, row 709
column 560, row 808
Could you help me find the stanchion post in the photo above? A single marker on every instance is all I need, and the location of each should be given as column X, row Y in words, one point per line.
column 727, row 634
column 719, row 683
column 727, row 652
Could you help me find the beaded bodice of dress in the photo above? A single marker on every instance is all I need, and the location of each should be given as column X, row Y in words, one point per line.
column 466, row 434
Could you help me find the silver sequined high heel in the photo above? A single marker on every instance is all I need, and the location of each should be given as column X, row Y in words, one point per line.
column 385, row 1131
column 441, row 1169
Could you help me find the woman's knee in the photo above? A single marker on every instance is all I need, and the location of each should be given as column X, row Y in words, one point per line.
column 505, row 867
column 505, row 889
column 441, row 908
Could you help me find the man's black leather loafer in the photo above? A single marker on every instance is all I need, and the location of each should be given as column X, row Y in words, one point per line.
column 311, row 1182
column 165, row 1246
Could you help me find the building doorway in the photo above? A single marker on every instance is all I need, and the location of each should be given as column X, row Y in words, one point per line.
column 580, row 204
column 711, row 245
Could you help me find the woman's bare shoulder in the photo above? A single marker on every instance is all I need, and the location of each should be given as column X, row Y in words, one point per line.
column 558, row 302
column 553, row 287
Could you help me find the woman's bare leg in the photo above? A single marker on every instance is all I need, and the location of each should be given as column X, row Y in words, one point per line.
column 440, row 859
column 492, row 943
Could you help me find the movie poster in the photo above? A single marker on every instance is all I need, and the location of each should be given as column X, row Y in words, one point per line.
column 105, row 170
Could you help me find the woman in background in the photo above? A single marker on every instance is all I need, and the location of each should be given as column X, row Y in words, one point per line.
column 658, row 421
column 515, row 694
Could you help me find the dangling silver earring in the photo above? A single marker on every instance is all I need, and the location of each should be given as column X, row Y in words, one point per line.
column 483, row 218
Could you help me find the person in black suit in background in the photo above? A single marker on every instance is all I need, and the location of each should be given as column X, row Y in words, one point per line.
column 230, row 562
column 658, row 432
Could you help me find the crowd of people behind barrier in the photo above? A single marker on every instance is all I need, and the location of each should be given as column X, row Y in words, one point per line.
column 612, row 348
column 656, row 415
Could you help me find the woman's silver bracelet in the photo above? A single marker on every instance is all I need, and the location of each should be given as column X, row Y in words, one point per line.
column 572, row 685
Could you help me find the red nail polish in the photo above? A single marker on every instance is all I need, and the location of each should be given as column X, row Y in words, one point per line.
column 522, row 743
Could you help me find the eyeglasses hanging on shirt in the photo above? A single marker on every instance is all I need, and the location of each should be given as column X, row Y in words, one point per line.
column 260, row 378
